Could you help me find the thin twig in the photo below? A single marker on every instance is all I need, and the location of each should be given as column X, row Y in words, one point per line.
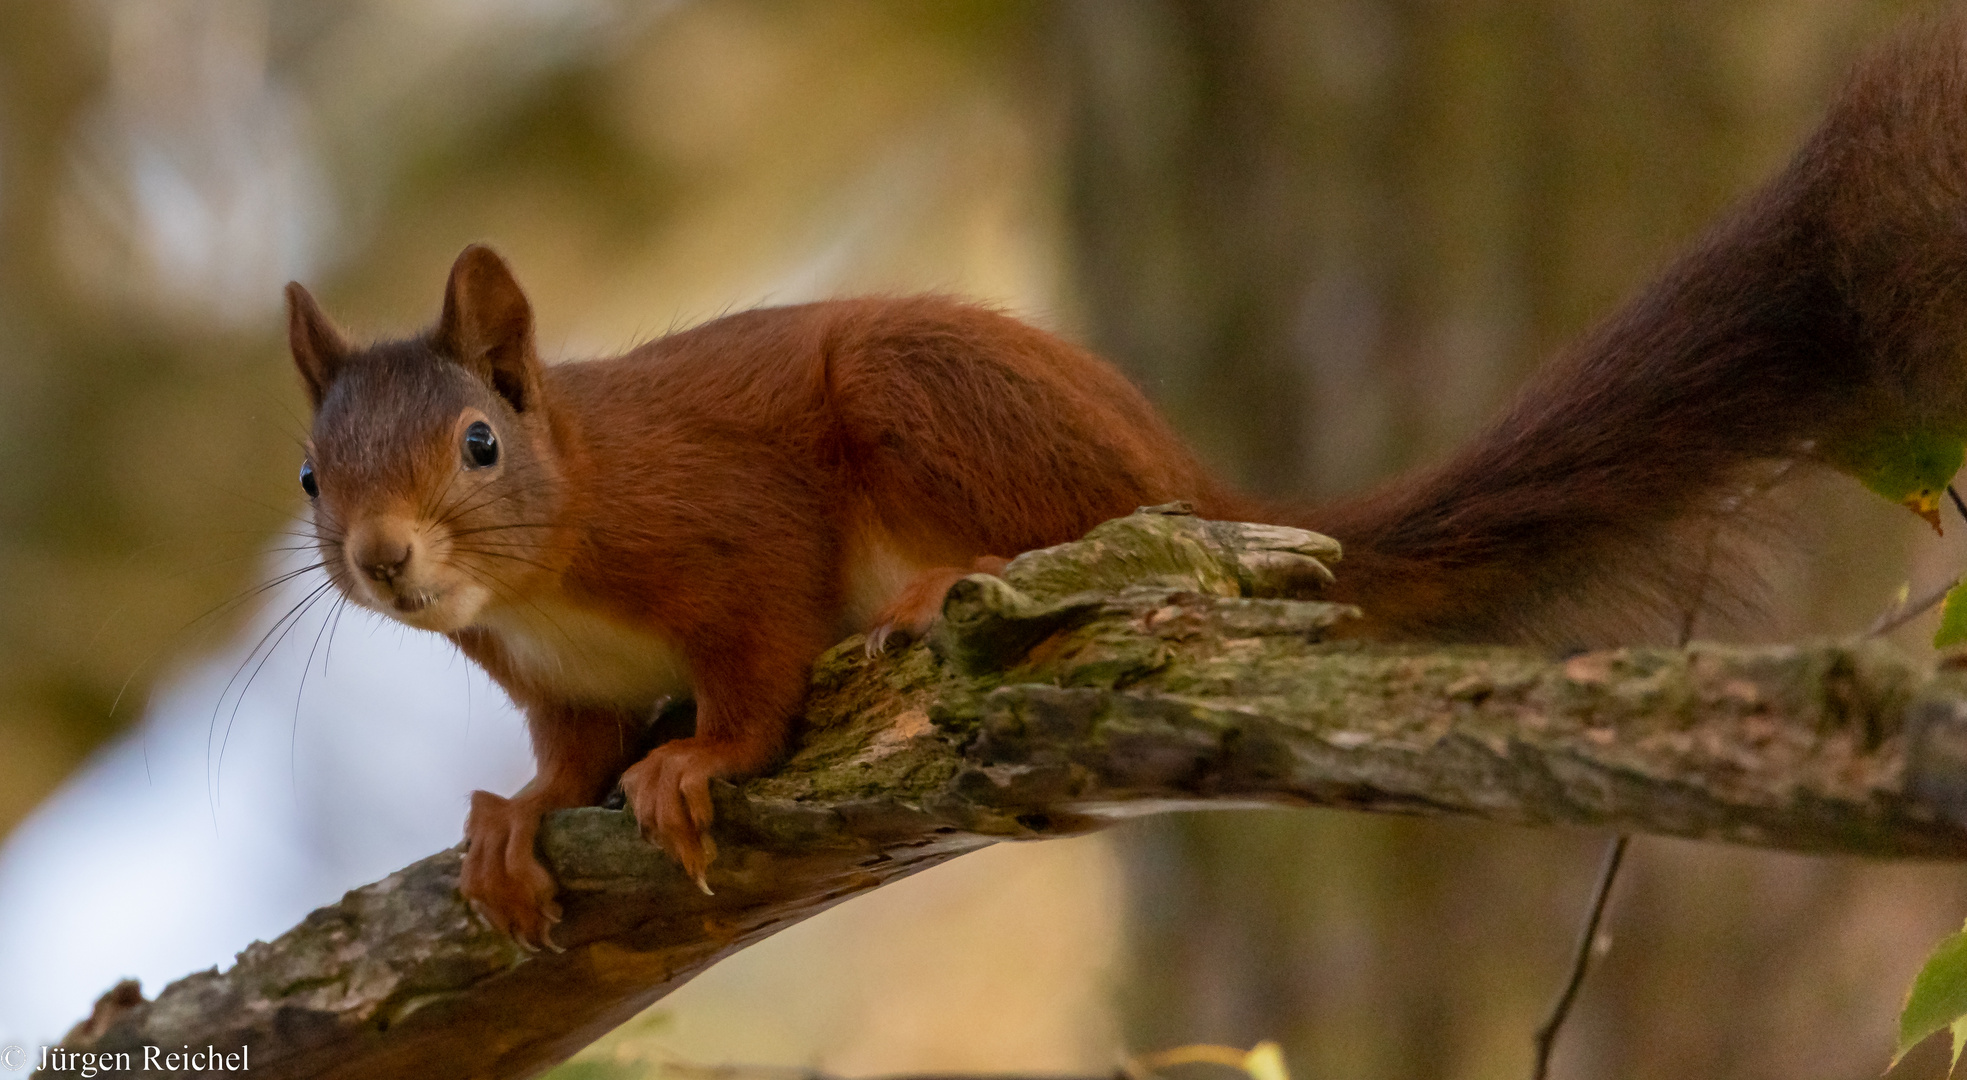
column 1560, row 1010
column 1896, row 617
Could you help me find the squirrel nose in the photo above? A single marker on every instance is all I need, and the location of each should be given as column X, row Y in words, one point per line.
column 382, row 554
column 383, row 566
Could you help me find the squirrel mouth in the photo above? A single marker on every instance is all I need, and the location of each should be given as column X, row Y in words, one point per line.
column 410, row 603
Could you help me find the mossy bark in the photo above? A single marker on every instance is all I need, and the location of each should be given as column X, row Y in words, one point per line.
column 1156, row 665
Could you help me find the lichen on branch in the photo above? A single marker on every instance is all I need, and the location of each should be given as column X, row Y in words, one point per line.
column 1159, row 664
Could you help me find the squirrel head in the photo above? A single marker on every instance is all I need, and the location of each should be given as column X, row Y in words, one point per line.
column 431, row 463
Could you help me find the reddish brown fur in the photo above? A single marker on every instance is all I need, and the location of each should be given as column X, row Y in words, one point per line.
column 727, row 501
column 711, row 490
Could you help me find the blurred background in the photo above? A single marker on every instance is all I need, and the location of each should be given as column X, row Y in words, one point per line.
column 1328, row 238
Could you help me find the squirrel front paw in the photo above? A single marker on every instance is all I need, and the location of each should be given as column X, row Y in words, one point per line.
column 502, row 879
column 669, row 791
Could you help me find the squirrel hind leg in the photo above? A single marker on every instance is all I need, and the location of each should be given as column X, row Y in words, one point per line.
column 915, row 607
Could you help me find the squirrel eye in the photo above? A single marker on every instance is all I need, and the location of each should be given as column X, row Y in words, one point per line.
column 481, row 447
column 307, row 480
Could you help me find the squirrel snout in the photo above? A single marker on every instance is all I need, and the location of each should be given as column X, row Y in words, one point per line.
column 381, row 553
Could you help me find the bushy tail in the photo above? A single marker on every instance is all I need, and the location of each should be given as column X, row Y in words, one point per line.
column 1830, row 305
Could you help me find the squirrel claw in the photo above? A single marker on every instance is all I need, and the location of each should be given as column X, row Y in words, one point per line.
column 877, row 639
column 669, row 793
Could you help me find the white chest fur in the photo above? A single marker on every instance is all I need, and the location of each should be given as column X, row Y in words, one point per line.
column 583, row 656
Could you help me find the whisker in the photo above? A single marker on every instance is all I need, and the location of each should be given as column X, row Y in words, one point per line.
column 294, row 729
column 505, row 555
column 251, row 500
column 239, row 700
column 499, row 588
column 445, row 511
column 330, row 653
column 498, row 528
column 491, row 494
column 211, row 729
column 424, row 507
column 209, row 613
column 526, row 541
column 457, row 650
column 495, row 494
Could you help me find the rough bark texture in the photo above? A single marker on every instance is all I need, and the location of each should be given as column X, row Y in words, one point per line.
column 1150, row 667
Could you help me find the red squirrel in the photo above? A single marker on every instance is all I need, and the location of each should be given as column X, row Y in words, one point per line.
column 707, row 512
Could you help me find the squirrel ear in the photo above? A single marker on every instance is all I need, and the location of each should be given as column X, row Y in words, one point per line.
column 487, row 326
column 317, row 346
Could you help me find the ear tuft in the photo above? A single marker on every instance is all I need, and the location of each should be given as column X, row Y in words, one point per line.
column 318, row 347
column 487, row 326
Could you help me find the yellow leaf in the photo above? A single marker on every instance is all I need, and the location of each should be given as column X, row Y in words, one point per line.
column 1193, row 1054
column 1265, row 1061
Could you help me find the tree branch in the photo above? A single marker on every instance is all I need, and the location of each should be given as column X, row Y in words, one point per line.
column 1151, row 667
